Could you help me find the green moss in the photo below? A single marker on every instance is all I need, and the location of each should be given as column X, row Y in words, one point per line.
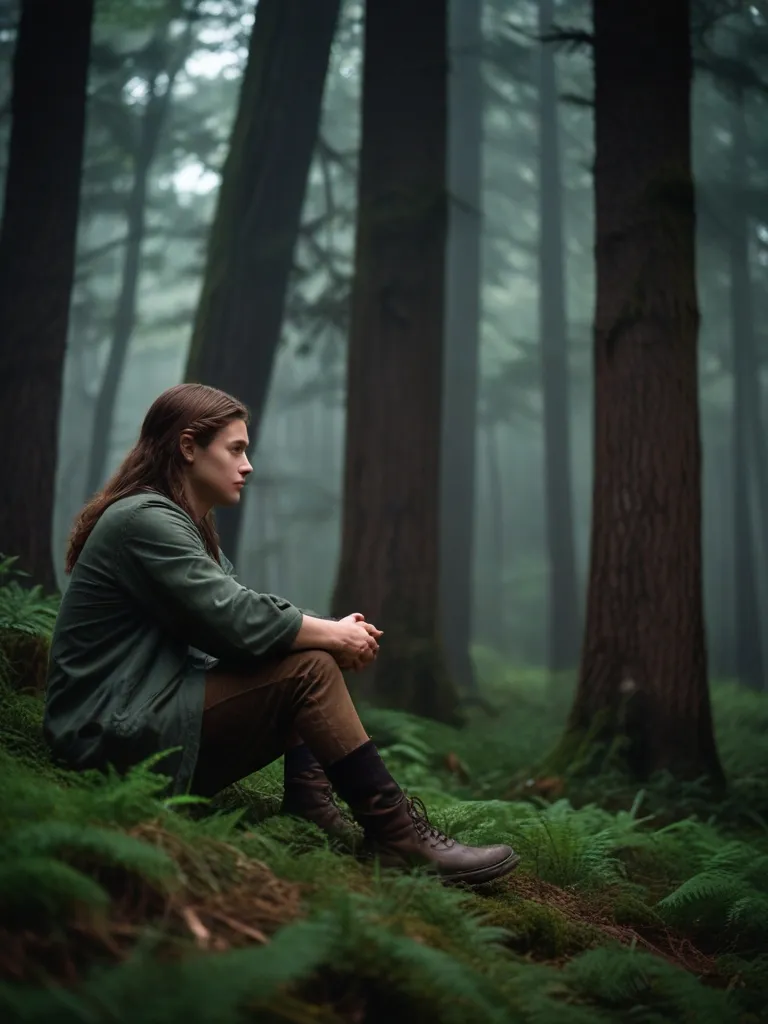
column 543, row 932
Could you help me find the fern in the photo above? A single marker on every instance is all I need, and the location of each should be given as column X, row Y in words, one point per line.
column 197, row 989
column 409, row 974
column 716, row 888
column 749, row 914
column 26, row 610
column 38, row 884
column 90, row 842
column 727, row 895
column 646, row 987
column 43, row 866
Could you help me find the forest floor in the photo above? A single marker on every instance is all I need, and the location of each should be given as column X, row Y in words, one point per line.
column 118, row 906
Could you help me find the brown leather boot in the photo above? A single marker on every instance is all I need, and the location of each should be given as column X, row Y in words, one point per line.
column 399, row 833
column 309, row 795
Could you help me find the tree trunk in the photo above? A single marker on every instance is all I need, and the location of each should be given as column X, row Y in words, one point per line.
column 498, row 566
column 748, row 439
column 37, row 259
column 152, row 121
column 389, row 567
column 250, row 256
column 563, row 607
column 462, row 328
column 643, row 678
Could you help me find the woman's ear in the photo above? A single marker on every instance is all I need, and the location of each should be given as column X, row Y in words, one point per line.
column 187, row 446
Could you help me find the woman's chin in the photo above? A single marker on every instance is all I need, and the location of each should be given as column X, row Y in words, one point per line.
column 229, row 499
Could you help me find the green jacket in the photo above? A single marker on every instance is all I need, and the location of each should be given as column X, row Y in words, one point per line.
column 124, row 680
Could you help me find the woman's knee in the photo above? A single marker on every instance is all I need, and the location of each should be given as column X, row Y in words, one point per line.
column 321, row 665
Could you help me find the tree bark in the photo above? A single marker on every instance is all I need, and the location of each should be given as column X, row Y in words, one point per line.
column 37, row 260
column 389, row 566
column 462, row 329
column 563, row 604
column 749, row 455
column 643, row 680
column 250, row 256
column 153, row 120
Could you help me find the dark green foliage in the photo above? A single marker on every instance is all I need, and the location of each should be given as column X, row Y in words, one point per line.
column 727, row 898
column 646, row 987
column 27, row 610
column 624, row 905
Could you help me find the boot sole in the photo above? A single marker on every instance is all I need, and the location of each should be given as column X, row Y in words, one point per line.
column 481, row 875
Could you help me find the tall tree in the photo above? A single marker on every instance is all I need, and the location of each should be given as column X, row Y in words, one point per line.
column 164, row 58
column 37, row 260
column 563, row 598
column 462, row 328
column 250, row 256
column 643, row 675
column 749, row 455
column 389, row 567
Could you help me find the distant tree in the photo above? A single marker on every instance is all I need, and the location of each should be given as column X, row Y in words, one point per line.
column 160, row 60
column 730, row 47
column 462, row 331
column 563, row 597
column 643, row 678
column 749, row 454
column 37, row 259
column 389, row 567
column 250, row 255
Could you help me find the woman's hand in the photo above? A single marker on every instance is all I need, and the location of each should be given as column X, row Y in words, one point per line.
column 358, row 641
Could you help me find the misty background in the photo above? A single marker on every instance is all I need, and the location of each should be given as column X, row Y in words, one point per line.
column 159, row 123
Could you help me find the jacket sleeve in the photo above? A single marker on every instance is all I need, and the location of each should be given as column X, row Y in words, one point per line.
column 229, row 569
column 166, row 568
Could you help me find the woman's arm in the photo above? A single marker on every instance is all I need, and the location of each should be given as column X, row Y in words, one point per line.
column 316, row 633
column 167, row 570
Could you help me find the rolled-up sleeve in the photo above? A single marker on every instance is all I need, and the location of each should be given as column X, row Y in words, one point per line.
column 167, row 570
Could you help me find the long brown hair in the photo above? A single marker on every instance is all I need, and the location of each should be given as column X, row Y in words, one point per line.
column 155, row 461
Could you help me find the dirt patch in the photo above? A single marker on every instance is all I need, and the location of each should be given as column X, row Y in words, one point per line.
column 597, row 913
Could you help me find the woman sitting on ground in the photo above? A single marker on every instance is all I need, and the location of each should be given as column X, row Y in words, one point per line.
column 157, row 646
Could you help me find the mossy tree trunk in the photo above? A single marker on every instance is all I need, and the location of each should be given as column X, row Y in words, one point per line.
column 37, row 262
column 563, row 617
column 643, row 678
column 250, row 255
column 389, row 567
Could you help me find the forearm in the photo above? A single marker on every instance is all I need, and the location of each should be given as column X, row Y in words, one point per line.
column 315, row 633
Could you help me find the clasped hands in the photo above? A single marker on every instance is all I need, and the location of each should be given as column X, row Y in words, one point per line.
column 356, row 642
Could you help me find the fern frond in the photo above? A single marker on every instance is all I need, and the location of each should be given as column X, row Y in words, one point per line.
column 38, row 883
column 705, row 887
column 645, row 986
column 90, row 842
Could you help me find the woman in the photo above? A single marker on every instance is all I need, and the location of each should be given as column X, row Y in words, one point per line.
column 157, row 646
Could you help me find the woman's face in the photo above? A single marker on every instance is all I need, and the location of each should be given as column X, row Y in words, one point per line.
column 216, row 474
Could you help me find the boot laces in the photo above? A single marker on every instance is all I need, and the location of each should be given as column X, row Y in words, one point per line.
column 423, row 825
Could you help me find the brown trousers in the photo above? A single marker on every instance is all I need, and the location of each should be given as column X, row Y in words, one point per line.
column 251, row 717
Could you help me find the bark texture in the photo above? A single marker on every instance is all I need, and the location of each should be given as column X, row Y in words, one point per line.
column 389, row 567
column 37, row 261
column 643, row 678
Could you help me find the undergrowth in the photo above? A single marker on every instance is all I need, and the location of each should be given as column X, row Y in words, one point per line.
column 118, row 904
